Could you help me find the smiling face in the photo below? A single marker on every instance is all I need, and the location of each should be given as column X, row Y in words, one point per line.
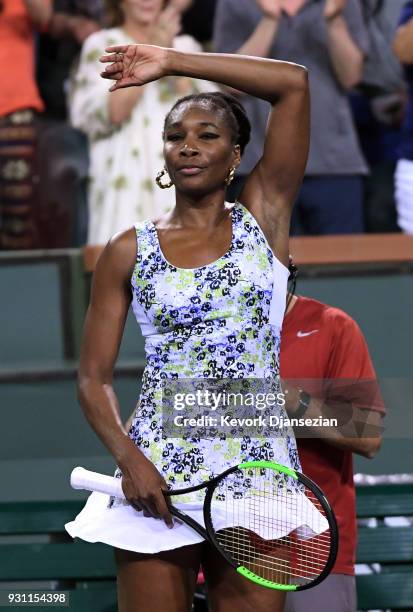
column 198, row 148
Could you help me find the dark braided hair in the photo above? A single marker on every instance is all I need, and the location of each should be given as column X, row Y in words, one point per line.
column 236, row 116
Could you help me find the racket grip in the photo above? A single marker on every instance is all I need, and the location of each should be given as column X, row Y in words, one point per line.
column 93, row 481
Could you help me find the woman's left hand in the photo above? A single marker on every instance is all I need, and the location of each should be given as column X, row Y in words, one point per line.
column 134, row 65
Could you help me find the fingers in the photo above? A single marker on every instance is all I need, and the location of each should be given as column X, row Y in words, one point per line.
column 106, row 58
column 114, row 75
column 117, row 49
column 112, row 59
column 144, row 506
column 113, row 68
column 136, row 505
column 117, row 76
column 121, row 83
column 114, row 71
column 163, row 510
column 154, row 506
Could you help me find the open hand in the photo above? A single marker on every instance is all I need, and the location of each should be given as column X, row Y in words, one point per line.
column 130, row 65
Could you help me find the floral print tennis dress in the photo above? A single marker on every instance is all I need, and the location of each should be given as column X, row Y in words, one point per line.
column 219, row 321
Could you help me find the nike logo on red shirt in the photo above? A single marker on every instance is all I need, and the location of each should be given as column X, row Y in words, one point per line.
column 302, row 334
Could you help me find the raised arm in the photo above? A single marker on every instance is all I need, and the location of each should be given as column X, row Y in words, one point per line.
column 77, row 27
column 40, row 12
column 103, row 331
column 346, row 56
column 258, row 42
column 271, row 188
column 230, row 17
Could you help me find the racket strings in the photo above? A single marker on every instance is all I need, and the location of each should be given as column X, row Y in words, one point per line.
column 275, row 527
column 265, row 521
column 236, row 546
column 252, row 551
column 323, row 540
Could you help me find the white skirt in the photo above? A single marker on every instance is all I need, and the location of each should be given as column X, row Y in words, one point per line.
column 124, row 527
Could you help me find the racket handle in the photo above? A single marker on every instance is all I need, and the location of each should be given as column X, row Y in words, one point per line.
column 92, row 481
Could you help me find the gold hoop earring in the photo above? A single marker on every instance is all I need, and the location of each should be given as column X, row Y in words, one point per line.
column 230, row 176
column 159, row 177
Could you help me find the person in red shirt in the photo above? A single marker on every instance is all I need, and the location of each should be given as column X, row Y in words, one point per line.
column 19, row 101
column 323, row 343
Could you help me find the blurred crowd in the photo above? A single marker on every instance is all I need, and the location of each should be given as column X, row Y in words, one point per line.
column 78, row 164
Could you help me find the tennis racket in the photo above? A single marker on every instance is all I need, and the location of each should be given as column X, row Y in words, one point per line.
column 271, row 523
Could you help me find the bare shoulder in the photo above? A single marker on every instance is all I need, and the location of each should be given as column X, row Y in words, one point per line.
column 118, row 258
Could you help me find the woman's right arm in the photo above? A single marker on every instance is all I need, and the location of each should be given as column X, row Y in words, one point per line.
column 104, row 325
column 102, row 335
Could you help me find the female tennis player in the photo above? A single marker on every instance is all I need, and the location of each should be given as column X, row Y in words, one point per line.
column 207, row 283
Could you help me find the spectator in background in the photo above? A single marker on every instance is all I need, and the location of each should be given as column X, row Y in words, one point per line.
column 63, row 150
column 403, row 46
column 19, row 103
column 123, row 128
column 330, row 38
column 382, row 73
column 71, row 23
column 322, row 347
column 378, row 106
